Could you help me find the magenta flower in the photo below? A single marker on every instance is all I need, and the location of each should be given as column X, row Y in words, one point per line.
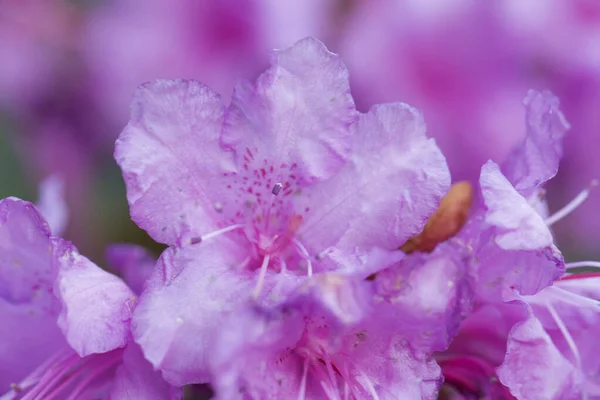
column 65, row 321
column 291, row 177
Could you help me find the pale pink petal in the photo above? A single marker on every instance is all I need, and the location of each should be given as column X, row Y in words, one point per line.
column 171, row 160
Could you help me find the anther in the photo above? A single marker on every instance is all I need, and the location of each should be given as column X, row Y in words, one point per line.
column 196, row 240
column 16, row 387
column 277, row 188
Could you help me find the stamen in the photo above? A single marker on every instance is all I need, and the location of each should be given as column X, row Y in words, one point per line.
column 37, row 374
column 302, row 393
column 244, row 263
column 572, row 346
column 329, row 391
column 346, row 390
column 579, row 264
column 277, row 188
column 327, row 360
column 277, row 289
column 306, row 256
column 261, row 276
column 572, row 205
column 344, row 373
column 367, row 381
column 51, row 378
column 579, row 275
column 219, row 232
column 98, row 370
column 358, row 386
column 15, row 387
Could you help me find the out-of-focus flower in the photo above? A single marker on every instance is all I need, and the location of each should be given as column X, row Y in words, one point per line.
column 65, row 321
column 32, row 37
column 453, row 61
column 134, row 263
column 291, row 177
column 52, row 205
column 217, row 42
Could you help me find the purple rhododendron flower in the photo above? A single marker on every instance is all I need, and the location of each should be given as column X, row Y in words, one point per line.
column 65, row 321
column 330, row 339
column 290, row 177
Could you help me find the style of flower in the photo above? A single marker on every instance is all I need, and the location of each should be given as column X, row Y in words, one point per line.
column 65, row 329
column 286, row 182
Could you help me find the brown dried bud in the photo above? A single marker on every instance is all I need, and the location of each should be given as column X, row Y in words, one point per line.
column 446, row 222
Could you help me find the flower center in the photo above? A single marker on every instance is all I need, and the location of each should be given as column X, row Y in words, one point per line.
column 269, row 222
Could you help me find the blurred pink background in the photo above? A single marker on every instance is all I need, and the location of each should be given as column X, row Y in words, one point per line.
column 68, row 69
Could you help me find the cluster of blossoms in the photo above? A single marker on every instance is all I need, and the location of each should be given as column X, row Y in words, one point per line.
column 314, row 252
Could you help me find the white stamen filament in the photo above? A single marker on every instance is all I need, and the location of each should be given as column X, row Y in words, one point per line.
column 572, row 205
column 261, row 276
column 277, row 289
column 368, row 383
column 580, row 264
column 572, row 346
column 329, row 391
column 302, row 393
column 330, row 371
column 358, row 386
column 220, row 232
column 306, row 256
column 244, row 263
column 99, row 370
column 346, row 390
